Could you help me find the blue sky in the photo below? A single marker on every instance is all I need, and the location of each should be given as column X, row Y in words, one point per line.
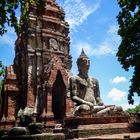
column 93, row 26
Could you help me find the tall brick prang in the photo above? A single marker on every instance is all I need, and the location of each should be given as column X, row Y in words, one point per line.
column 41, row 50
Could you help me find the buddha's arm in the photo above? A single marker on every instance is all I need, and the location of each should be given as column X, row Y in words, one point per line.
column 81, row 101
column 97, row 93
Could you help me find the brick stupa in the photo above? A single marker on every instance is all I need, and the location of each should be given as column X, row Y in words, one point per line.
column 42, row 54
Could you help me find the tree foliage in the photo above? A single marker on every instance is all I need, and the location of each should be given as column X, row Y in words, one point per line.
column 129, row 50
column 2, row 72
column 7, row 15
column 8, row 12
column 134, row 110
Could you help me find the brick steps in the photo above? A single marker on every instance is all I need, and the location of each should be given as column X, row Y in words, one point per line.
column 122, row 136
column 101, row 129
column 90, row 127
column 76, row 121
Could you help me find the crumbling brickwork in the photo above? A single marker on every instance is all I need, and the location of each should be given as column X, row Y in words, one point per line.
column 41, row 50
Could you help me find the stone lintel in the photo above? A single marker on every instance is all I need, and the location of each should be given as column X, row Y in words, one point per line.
column 33, row 18
column 53, row 9
column 30, row 54
column 48, row 17
column 47, row 33
column 55, row 20
column 29, row 47
column 59, row 53
column 59, row 38
column 38, row 51
column 32, row 35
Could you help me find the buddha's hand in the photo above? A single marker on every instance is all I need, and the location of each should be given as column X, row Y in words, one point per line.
column 101, row 103
column 90, row 104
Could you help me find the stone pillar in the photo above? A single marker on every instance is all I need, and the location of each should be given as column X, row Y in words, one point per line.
column 39, row 88
column 30, row 95
column 39, row 61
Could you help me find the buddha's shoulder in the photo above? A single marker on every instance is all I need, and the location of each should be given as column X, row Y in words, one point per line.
column 74, row 77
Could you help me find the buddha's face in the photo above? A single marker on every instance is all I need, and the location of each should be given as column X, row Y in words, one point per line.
column 84, row 69
column 84, row 66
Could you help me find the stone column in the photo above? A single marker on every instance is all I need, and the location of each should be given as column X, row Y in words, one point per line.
column 30, row 95
column 39, row 61
column 39, row 88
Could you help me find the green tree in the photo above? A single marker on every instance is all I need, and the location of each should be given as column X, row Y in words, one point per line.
column 134, row 110
column 8, row 12
column 129, row 50
column 2, row 72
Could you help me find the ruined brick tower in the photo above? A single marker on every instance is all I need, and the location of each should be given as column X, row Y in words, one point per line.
column 41, row 55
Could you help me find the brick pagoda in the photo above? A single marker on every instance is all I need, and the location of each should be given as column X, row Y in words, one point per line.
column 42, row 61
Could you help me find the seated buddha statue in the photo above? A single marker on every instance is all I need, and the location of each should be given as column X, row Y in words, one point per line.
column 85, row 92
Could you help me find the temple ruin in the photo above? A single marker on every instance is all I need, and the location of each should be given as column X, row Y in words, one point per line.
column 41, row 53
column 35, row 95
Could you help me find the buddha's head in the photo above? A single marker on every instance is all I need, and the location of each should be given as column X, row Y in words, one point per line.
column 83, row 63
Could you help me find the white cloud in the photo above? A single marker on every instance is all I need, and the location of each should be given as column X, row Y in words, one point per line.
column 111, row 41
column 127, row 106
column 118, row 79
column 87, row 48
column 107, row 47
column 77, row 11
column 91, row 50
column 116, row 94
column 103, row 49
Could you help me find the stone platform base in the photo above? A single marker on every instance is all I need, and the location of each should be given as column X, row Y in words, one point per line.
column 100, row 129
column 43, row 136
column 86, row 128
column 76, row 121
column 122, row 136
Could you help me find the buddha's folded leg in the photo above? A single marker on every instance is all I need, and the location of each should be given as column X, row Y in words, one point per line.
column 82, row 109
column 104, row 111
